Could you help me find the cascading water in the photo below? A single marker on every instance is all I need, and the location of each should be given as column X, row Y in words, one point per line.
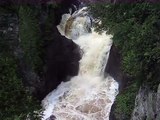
column 89, row 95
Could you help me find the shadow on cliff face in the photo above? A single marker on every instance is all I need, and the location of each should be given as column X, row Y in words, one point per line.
column 62, row 61
column 64, row 7
column 62, row 54
column 113, row 68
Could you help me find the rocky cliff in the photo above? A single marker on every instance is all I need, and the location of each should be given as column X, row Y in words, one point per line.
column 43, row 61
column 61, row 61
column 59, row 55
column 147, row 105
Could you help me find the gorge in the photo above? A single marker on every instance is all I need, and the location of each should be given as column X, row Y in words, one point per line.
column 89, row 95
column 79, row 60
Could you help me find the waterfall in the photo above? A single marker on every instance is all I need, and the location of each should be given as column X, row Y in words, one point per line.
column 89, row 95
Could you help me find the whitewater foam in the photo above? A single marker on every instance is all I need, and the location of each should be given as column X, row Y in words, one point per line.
column 88, row 96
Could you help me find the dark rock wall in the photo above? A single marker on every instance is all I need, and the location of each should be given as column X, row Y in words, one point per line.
column 8, row 30
column 61, row 56
column 62, row 61
column 113, row 67
column 64, row 7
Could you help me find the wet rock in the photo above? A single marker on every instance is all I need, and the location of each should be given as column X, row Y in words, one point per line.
column 88, row 108
column 147, row 105
column 112, row 116
column 61, row 56
column 113, row 67
column 52, row 117
column 65, row 5
column 62, row 61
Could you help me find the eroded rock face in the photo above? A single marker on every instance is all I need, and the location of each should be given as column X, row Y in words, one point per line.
column 9, row 23
column 65, row 5
column 113, row 67
column 147, row 105
column 62, row 55
column 62, row 61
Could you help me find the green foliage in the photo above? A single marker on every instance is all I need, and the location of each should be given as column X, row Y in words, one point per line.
column 125, row 103
column 136, row 30
column 30, row 37
column 47, row 33
column 136, row 33
column 8, row 9
column 15, row 102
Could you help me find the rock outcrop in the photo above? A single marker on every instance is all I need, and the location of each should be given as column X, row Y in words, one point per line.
column 114, row 66
column 62, row 55
column 62, row 61
column 147, row 105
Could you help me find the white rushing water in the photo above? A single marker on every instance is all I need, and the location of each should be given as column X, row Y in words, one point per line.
column 88, row 96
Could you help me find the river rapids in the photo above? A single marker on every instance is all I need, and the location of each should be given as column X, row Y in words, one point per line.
column 89, row 95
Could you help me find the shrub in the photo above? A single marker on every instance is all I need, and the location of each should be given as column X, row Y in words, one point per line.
column 16, row 103
column 30, row 37
column 136, row 33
